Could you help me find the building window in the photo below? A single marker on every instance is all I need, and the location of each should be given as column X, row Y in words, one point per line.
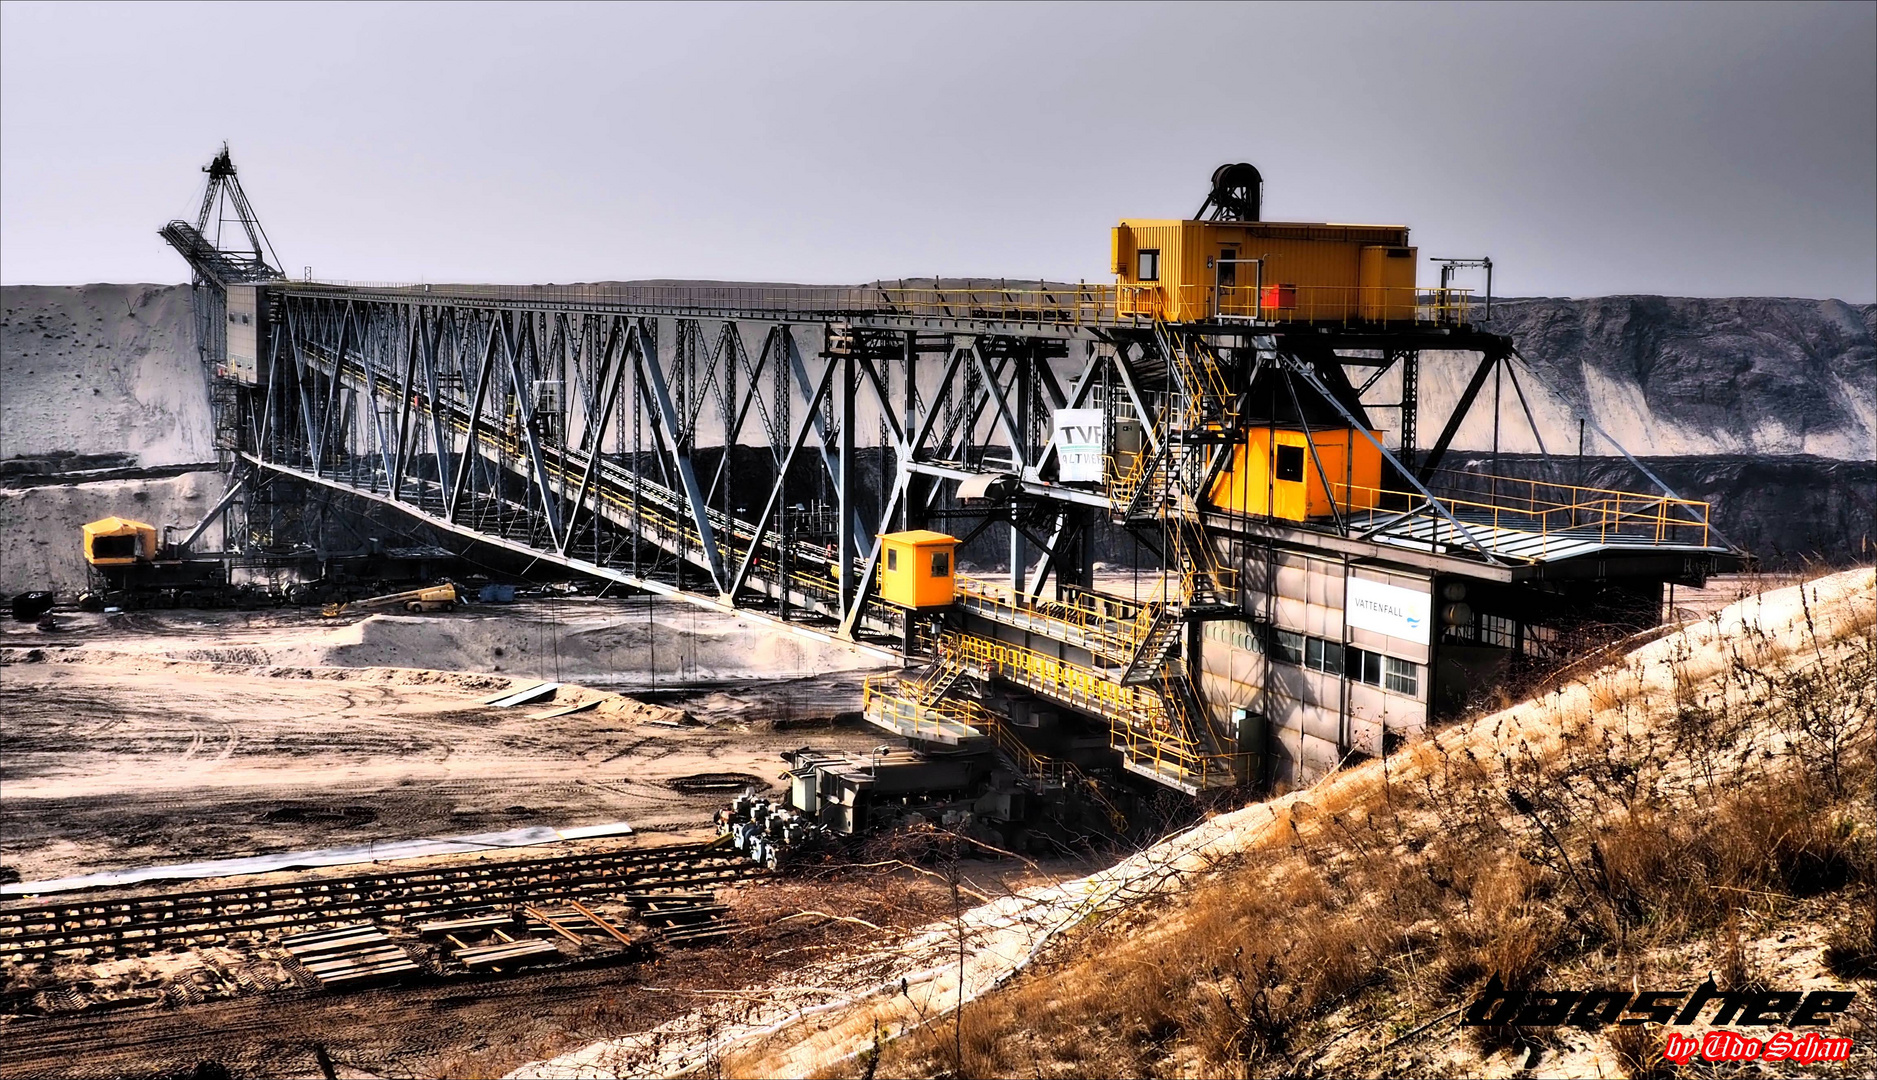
column 1228, row 268
column 1323, row 655
column 1541, row 641
column 1149, row 265
column 1364, row 666
column 1348, row 661
column 1498, row 630
column 941, row 564
column 1400, row 676
column 1290, row 464
column 1287, row 646
column 892, row 558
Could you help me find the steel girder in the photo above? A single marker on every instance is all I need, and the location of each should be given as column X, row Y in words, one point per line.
column 591, row 434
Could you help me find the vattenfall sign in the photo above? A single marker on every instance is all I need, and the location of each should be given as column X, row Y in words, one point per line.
column 1387, row 609
column 1079, row 445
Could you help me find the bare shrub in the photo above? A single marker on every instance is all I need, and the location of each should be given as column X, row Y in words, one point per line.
column 1851, row 950
column 1639, row 1051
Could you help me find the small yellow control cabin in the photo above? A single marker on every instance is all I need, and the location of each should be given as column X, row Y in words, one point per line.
column 1273, row 473
column 116, row 541
column 919, row 569
column 1272, row 271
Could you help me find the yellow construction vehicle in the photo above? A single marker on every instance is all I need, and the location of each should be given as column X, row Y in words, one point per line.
column 430, row 598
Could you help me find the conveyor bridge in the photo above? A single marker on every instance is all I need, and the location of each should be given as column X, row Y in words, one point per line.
column 746, row 447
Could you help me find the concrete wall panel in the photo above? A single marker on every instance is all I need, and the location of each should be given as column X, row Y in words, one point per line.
column 1365, row 737
column 1321, row 723
column 1319, row 759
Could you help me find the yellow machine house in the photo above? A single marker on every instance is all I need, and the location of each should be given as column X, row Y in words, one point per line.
column 1195, row 271
column 116, row 541
column 1237, row 266
column 917, row 569
column 1273, row 472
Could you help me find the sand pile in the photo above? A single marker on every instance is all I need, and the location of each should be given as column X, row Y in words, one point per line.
column 564, row 640
column 102, row 368
column 630, row 645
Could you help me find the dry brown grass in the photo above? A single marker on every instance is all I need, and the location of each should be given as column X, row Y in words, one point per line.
column 1670, row 811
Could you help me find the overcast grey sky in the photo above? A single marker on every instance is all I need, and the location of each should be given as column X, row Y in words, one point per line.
column 1690, row 149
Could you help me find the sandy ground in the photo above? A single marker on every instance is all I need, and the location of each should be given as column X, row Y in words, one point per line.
column 155, row 738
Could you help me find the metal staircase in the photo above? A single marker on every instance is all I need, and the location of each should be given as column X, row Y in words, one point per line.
column 1048, row 772
column 1204, row 401
column 1155, row 646
column 918, row 708
column 1155, row 727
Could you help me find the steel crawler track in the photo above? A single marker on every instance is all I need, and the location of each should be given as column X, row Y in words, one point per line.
column 101, row 928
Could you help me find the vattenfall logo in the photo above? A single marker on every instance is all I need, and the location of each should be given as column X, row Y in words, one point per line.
column 1386, row 609
column 1500, row 1006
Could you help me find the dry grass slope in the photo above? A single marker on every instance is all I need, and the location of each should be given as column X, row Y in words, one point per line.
column 1704, row 806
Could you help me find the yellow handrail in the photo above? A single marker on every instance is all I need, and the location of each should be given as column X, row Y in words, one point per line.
column 888, row 696
column 1280, row 303
column 1086, row 619
column 1140, row 723
column 1553, row 512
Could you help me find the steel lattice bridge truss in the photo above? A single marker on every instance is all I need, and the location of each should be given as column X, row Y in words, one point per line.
column 567, row 424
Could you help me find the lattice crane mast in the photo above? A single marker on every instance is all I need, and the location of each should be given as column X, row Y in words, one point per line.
column 223, row 201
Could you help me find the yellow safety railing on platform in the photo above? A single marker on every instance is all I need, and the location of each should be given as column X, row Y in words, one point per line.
column 1108, row 605
column 914, row 714
column 1556, row 513
column 1140, row 721
column 1086, row 619
column 1279, row 303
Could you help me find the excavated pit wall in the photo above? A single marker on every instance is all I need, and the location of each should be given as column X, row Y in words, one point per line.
column 1766, row 407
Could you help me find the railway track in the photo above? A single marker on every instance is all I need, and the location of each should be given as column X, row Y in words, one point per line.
column 102, row 928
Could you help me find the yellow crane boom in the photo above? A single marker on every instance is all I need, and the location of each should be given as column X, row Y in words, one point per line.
column 429, row 598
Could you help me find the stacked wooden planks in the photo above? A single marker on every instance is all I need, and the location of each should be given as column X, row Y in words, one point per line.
column 348, row 955
column 682, row 918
